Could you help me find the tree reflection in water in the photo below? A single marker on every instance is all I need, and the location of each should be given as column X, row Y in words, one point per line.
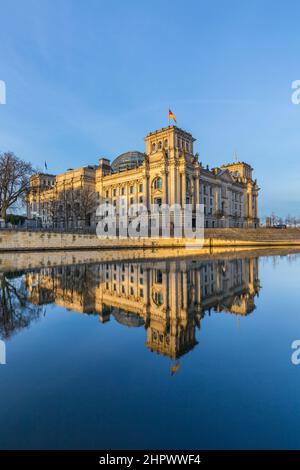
column 16, row 311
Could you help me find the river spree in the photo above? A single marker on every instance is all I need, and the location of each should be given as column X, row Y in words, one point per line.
column 180, row 353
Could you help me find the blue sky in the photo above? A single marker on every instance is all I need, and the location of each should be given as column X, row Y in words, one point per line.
column 87, row 79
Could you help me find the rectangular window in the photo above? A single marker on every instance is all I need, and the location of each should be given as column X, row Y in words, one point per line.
column 141, row 188
column 131, row 189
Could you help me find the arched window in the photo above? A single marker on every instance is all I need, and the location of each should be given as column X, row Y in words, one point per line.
column 157, row 183
column 158, row 298
column 166, row 142
column 159, row 145
column 153, row 146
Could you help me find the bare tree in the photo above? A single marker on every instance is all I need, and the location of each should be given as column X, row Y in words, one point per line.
column 53, row 210
column 291, row 221
column 14, row 180
column 280, row 220
column 274, row 219
column 74, row 208
column 294, row 221
column 86, row 206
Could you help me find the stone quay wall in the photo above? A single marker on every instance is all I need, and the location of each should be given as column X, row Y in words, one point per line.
column 19, row 240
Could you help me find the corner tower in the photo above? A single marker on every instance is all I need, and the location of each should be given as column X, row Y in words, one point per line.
column 170, row 154
column 171, row 139
column 243, row 173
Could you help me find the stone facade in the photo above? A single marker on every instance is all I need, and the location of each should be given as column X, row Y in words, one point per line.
column 168, row 173
column 67, row 200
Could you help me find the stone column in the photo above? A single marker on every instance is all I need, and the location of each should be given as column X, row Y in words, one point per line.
column 165, row 187
column 173, row 184
column 147, row 192
column 197, row 190
column 183, row 193
column 216, row 199
column 256, row 205
column 249, row 203
column 135, row 192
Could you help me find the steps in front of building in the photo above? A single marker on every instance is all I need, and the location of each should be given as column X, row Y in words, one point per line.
column 259, row 234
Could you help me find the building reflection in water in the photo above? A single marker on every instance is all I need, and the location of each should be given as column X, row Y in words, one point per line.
column 169, row 298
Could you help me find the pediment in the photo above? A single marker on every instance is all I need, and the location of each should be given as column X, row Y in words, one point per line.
column 226, row 176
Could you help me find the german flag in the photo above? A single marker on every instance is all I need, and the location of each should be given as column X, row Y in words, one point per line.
column 172, row 116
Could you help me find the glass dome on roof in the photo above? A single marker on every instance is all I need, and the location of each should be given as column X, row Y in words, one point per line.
column 127, row 318
column 127, row 161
